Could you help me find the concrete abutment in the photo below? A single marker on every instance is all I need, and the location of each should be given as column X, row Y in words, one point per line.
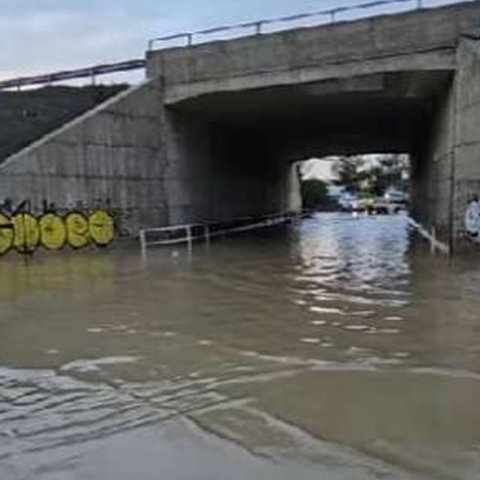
column 111, row 155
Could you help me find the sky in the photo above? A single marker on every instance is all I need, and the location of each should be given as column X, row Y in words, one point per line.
column 318, row 168
column 41, row 36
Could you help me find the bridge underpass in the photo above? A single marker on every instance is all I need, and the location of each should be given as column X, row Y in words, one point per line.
column 212, row 132
column 249, row 139
column 403, row 83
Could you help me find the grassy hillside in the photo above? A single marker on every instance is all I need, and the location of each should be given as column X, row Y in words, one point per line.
column 29, row 115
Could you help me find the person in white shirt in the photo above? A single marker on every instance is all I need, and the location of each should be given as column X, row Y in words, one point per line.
column 472, row 219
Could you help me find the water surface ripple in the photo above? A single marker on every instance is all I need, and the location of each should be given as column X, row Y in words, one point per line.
column 337, row 349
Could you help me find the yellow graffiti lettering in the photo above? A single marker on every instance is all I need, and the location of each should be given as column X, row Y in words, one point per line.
column 101, row 227
column 27, row 233
column 53, row 233
column 77, row 230
column 6, row 234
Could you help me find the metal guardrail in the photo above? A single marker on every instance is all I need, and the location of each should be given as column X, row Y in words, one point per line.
column 430, row 236
column 257, row 27
column 206, row 231
column 89, row 72
column 188, row 238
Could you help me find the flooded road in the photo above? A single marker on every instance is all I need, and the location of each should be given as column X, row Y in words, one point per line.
column 334, row 349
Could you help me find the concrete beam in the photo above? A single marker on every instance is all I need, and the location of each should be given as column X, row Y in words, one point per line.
column 419, row 40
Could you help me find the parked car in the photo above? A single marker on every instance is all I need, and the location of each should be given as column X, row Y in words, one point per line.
column 349, row 202
column 393, row 195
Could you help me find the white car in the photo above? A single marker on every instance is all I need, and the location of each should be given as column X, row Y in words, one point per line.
column 393, row 195
column 348, row 202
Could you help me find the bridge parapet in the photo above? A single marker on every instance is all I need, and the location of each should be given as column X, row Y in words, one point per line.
column 423, row 39
column 258, row 27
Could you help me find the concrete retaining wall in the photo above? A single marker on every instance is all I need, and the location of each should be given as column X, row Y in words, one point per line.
column 111, row 155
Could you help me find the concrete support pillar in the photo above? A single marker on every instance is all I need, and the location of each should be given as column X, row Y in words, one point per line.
column 446, row 168
column 467, row 132
column 434, row 175
column 294, row 189
column 189, row 171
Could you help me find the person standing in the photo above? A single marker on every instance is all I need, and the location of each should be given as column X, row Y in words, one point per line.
column 472, row 219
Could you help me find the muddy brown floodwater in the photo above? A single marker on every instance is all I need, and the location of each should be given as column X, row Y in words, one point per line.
column 336, row 349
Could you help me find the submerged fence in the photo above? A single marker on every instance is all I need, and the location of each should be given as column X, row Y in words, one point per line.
column 187, row 234
column 431, row 237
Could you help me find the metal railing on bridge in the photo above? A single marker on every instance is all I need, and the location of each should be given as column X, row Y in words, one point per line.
column 89, row 72
column 257, row 27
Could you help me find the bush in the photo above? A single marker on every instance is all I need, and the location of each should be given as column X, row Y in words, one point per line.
column 314, row 194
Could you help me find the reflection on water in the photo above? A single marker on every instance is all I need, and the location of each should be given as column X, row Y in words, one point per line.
column 334, row 349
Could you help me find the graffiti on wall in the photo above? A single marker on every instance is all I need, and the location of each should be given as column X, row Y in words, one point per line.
column 472, row 219
column 22, row 230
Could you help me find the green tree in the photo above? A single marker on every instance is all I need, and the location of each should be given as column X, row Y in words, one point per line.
column 356, row 175
column 390, row 171
column 350, row 172
column 314, row 193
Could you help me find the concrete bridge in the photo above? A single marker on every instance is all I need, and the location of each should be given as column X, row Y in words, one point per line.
column 213, row 131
